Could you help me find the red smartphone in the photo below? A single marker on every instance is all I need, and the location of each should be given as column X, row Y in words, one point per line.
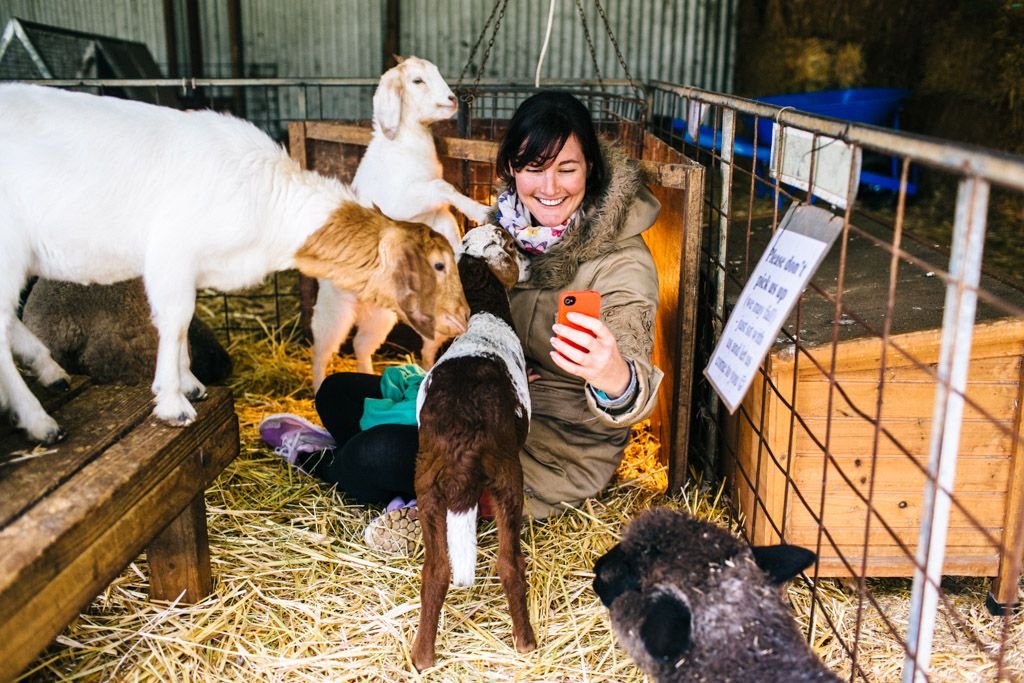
column 585, row 301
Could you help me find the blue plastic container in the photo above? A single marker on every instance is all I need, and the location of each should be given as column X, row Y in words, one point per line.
column 874, row 106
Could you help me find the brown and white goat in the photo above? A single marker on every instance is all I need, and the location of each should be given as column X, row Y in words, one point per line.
column 100, row 190
column 474, row 414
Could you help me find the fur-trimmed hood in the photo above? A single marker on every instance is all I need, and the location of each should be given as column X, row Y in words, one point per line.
column 605, row 223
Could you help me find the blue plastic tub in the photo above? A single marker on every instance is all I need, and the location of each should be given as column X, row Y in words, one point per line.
column 874, row 106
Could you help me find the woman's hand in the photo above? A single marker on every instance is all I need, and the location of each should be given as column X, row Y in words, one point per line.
column 600, row 364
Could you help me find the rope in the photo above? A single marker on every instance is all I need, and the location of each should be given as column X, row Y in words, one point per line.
column 544, row 47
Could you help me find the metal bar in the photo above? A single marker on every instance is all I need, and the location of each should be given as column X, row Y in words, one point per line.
column 998, row 168
column 947, row 415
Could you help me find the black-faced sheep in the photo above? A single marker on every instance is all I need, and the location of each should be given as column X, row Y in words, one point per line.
column 100, row 190
column 401, row 174
column 474, row 414
column 691, row 602
column 106, row 332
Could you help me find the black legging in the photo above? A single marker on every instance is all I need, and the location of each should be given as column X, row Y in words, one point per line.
column 372, row 466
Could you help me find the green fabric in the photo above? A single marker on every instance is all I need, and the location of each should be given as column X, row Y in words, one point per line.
column 399, row 385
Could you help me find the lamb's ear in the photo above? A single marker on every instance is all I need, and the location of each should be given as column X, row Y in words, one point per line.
column 782, row 562
column 387, row 102
column 414, row 282
column 667, row 627
column 614, row 575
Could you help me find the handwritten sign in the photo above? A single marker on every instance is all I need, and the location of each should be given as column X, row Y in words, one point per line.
column 786, row 266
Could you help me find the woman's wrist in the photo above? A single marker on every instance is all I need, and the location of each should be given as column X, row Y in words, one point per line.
column 624, row 398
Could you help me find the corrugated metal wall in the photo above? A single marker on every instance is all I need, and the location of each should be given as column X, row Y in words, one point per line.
column 689, row 42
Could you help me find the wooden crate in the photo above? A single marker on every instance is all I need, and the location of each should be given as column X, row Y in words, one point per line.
column 335, row 148
column 775, row 456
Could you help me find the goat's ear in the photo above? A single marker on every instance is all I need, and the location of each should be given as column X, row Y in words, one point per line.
column 387, row 102
column 782, row 562
column 614, row 575
column 414, row 281
column 667, row 627
column 398, row 58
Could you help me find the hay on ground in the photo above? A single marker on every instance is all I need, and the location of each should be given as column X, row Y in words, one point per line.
column 299, row 597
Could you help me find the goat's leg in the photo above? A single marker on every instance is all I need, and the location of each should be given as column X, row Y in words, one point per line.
column 435, row 579
column 36, row 356
column 470, row 208
column 172, row 300
column 507, row 491
column 190, row 384
column 428, row 354
column 25, row 410
column 374, row 325
column 333, row 316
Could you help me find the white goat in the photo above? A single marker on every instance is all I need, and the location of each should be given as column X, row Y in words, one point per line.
column 401, row 174
column 98, row 190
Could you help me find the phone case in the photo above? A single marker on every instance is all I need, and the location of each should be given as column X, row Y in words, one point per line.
column 585, row 301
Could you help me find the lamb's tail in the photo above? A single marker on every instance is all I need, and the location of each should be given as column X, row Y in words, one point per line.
column 462, row 546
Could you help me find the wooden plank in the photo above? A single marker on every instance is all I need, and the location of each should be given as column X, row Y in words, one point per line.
column 894, row 473
column 94, row 420
column 179, row 557
column 1004, row 587
column 63, row 551
column 885, row 563
column 855, row 435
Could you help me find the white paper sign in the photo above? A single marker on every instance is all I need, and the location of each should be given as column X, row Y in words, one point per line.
column 793, row 254
column 832, row 162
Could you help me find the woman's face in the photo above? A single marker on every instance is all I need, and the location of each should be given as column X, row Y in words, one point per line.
column 553, row 192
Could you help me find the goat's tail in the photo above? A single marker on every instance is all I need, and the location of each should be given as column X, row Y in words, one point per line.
column 462, row 546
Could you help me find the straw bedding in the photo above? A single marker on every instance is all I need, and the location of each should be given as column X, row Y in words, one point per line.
column 298, row 596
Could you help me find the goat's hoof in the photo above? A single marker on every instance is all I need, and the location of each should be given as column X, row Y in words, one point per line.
column 526, row 646
column 197, row 394
column 423, row 663
column 53, row 436
column 61, row 385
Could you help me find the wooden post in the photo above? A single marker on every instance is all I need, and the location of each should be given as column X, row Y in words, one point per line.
column 179, row 557
column 392, row 42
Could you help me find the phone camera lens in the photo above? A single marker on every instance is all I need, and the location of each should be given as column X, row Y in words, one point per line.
column 570, row 300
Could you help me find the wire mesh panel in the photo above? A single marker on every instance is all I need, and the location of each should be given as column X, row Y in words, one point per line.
column 883, row 429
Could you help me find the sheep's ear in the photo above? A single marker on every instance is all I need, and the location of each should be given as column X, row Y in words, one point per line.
column 614, row 575
column 414, row 283
column 387, row 102
column 667, row 627
column 782, row 562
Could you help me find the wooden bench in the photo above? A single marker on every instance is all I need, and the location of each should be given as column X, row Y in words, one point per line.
column 73, row 516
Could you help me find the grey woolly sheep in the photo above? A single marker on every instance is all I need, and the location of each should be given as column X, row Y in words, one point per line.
column 106, row 332
column 691, row 602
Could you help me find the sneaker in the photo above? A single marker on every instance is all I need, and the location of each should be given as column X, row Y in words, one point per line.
column 396, row 532
column 290, row 436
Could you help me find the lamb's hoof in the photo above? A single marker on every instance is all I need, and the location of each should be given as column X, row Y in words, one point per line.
column 61, row 385
column 527, row 646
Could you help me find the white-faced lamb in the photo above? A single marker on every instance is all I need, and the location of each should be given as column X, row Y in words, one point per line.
column 401, row 174
column 474, row 414
column 691, row 602
column 99, row 190
column 106, row 332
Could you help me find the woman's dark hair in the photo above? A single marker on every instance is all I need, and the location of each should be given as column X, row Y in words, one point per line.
column 538, row 131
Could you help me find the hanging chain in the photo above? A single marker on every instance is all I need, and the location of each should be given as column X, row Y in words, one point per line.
column 499, row 10
column 618, row 52
column 590, row 43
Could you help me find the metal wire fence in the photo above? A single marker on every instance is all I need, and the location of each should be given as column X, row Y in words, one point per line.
column 883, row 428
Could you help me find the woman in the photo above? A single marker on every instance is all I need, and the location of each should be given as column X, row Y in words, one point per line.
column 578, row 207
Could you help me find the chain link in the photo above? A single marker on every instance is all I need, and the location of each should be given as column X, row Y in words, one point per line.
column 499, row 10
column 590, row 43
column 618, row 52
